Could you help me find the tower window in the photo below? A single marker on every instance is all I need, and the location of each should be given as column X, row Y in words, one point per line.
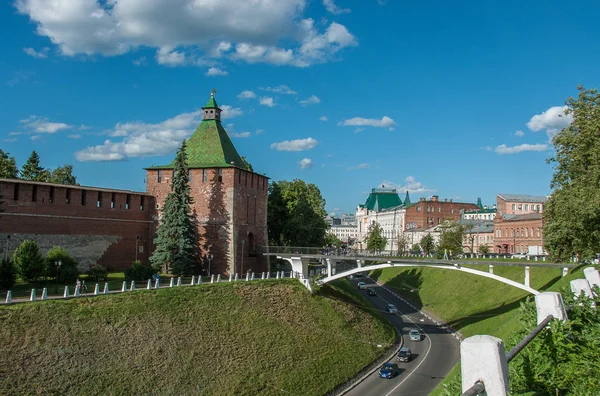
column 112, row 200
column 83, row 196
column 204, row 175
column 16, row 192
column 68, row 197
column 141, row 202
column 220, row 175
column 99, row 199
column 189, row 175
column 159, row 175
column 51, row 198
column 127, row 201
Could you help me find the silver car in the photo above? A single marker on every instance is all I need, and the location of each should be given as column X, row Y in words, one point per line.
column 391, row 308
column 414, row 334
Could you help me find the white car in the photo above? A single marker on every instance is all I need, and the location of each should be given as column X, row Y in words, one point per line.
column 414, row 334
column 362, row 285
column 391, row 308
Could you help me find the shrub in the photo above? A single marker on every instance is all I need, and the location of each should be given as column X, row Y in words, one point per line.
column 139, row 272
column 8, row 274
column 97, row 273
column 67, row 271
column 29, row 261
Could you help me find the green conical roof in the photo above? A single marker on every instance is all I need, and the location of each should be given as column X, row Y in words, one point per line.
column 407, row 200
column 382, row 198
column 211, row 104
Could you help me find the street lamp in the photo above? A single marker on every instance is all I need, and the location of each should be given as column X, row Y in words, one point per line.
column 137, row 241
column 242, row 269
column 209, row 257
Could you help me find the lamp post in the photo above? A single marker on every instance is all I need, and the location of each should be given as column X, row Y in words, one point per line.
column 57, row 263
column 137, row 241
column 242, row 269
column 209, row 257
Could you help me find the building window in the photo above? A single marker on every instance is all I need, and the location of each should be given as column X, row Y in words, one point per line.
column 220, row 175
column 520, row 207
column 159, row 175
column 527, row 207
column 439, row 209
column 99, row 199
column 514, row 206
column 526, row 233
column 34, row 194
column 51, row 196
column 83, row 196
column 127, row 201
column 204, row 175
column 141, row 202
column 539, row 208
column 16, row 192
column 189, row 175
column 68, row 197
column 538, row 232
column 112, row 200
column 531, row 232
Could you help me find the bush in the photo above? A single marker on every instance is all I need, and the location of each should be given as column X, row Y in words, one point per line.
column 139, row 272
column 8, row 274
column 29, row 261
column 68, row 270
column 97, row 273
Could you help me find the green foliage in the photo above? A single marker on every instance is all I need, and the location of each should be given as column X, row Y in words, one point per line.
column 427, row 244
column 572, row 213
column 484, row 249
column 332, row 240
column 8, row 274
column 403, row 244
column 63, row 175
column 29, row 261
column 139, row 272
column 375, row 240
column 296, row 214
column 32, row 170
column 177, row 236
column 97, row 273
column 67, row 271
column 247, row 164
column 450, row 238
column 8, row 166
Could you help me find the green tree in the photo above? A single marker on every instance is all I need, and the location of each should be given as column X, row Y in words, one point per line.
column 375, row 240
column 332, row 240
column 8, row 274
column 8, row 166
column 277, row 214
column 67, row 271
column 32, row 170
column 427, row 244
column 29, row 261
column 451, row 238
column 177, row 236
column 403, row 244
column 63, row 175
column 572, row 213
column 484, row 249
column 247, row 164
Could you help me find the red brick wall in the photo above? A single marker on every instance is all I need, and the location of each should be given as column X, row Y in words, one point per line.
column 105, row 234
column 515, row 236
column 428, row 213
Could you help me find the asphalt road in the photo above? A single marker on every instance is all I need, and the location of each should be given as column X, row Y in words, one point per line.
column 433, row 357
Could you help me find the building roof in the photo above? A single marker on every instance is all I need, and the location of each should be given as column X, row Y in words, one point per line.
column 407, row 199
column 209, row 146
column 382, row 198
column 526, row 216
column 479, row 226
column 522, row 198
column 488, row 210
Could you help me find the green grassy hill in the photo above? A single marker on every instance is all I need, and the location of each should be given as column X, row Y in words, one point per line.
column 268, row 337
column 469, row 303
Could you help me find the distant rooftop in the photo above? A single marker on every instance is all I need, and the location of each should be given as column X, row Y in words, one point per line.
column 522, row 198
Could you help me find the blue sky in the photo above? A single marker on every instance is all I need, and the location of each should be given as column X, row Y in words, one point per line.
column 458, row 99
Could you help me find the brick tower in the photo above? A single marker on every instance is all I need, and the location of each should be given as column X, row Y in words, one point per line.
column 230, row 202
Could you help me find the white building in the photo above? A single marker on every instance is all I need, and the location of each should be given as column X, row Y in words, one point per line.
column 345, row 233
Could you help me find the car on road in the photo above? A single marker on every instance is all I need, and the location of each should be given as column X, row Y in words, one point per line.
column 389, row 370
column 362, row 285
column 405, row 355
column 391, row 308
column 371, row 292
column 414, row 334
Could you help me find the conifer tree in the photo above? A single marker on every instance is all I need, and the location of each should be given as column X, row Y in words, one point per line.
column 32, row 170
column 177, row 240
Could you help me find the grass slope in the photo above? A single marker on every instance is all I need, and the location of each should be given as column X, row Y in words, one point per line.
column 269, row 337
column 470, row 303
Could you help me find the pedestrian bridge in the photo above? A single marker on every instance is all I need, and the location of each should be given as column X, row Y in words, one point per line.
column 335, row 264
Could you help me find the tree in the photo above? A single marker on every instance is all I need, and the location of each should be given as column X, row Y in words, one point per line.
column 32, row 170
column 403, row 244
column 427, row 244
column 247, row 164
column 8, row 166
column 484, row 249
column 67, row 271
column 8, row 274
column 276, row 214
column 332, row 240
column 375, row 240
column 572, row 214
column 451, row 238
column 63, row 175
column 29, row 261
column 177, row 236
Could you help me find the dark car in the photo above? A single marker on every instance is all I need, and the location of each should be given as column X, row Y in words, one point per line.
column 371, row 292
column 405, row 355
column 389, row 370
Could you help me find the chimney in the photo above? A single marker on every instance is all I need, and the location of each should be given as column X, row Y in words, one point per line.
column 421, row 199
column 445, row 199
column 434, row 198
column 450, row 199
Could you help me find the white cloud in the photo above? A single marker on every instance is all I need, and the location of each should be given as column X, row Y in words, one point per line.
column 189, row 32
column 15, row 133
column 10, row 140
column 240, row 135
column 334, row 9
column 519, row 133
column 230, row 112
column 280, row 89
column 36, row 137
column 504, row 149
column 385, row 122
column 323, row 118
column 410, row 184
column 259, row 131
column 551, row 120
column 215, row 71
column 313, row 99
column 43, row 125
column 295, row 145
column 246, row 95
column 142, row 61
column 267, row 101
column 358, row 130
column 306, row 163
column 363, row 166
column 43, row 54
column 74, row 136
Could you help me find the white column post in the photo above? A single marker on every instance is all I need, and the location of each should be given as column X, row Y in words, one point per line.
column 172, row 282
column 252, row 276
column 565, row 271
column 32, row 296
column 199, row 279
column 124, row 287
column 156, row 284
column 482, row 358
column 328, row 261
column 218, row 278
column 291, row 274
column 97, row 289
column 359, row 263
column 179, row 281
column 247, row 276
column 230, row 277
column 263, row 276
column 592, row 276
column 45, row 293
column 491, row 269
column 8, row 297
column 132, row 286
column 76, row 293
column 193, row 280
column 550, row 303
column 105, row 288
column 526, row 276
column 236, row 277
column 149, row 286
column 66, row 293
column 212, row 278
column 277, row 276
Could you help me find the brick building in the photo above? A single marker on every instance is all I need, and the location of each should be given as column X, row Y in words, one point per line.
column 519, row 223
column 95, row 225
column 427, row 213
column 230, row 202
